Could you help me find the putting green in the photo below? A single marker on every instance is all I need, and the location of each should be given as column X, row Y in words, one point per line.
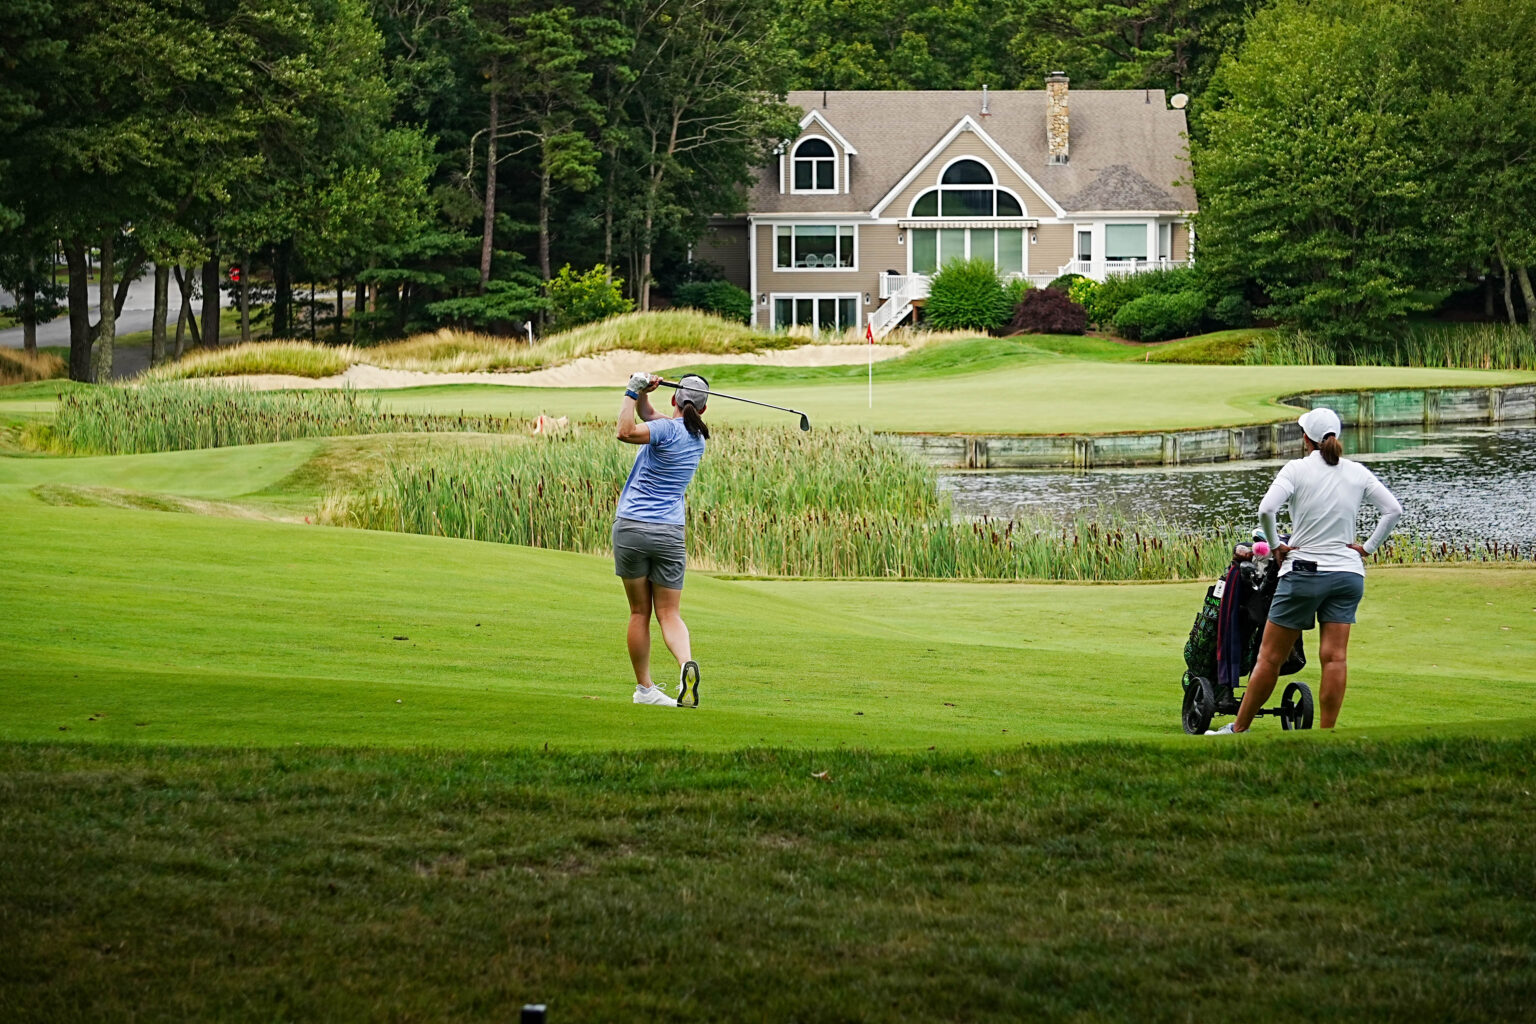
column 153, row 627
column 1028, row 395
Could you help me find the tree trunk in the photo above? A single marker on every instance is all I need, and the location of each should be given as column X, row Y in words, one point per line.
column 106, row 328
column 1530, row 297
column 311, row 309
column 490, row 191
column 341, row 306
column 245, row 297
column 1509, row 301
column 643, row 287
column 544, row 224
column 79, row 310
column 282, row 301
column 184, row 282
column 211, row 301
column 613, row 174
column 26, row 308
column 157, row 325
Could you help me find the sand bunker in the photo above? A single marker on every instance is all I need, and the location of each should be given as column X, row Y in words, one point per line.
column 611, row 369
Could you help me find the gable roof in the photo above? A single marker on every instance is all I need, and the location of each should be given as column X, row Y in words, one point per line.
column 966, row 123
column 815, row 117
column 1127, row 146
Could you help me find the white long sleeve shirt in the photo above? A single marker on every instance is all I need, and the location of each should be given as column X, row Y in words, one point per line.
column 1325, row 508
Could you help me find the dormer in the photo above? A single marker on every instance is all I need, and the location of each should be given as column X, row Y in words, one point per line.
column 818, row 162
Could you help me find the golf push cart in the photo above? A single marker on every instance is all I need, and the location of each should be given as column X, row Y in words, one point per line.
column 1232, row 619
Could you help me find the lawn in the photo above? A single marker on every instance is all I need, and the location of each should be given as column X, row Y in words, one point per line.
column 1044, row 386
column 258, row 770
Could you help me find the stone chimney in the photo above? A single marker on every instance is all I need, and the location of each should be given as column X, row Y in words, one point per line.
column 1056, row 117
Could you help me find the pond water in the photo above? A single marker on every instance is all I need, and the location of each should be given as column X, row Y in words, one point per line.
column 1464, row 484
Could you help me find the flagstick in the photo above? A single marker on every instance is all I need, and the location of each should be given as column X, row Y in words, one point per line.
column 870, row 332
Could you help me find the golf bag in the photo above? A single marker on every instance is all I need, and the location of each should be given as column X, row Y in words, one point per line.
column 1235, row 610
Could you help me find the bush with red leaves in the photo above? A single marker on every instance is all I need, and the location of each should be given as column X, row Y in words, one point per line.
column 1048, row 311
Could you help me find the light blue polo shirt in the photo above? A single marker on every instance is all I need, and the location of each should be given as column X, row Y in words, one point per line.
column 654, row 491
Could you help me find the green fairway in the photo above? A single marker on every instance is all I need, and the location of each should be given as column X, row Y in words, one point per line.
column 140, row 626
column 997, row 387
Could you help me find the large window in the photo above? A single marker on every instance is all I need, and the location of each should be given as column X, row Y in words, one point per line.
column 934, row 247
column 818, row 312
column 815, row 166
column 967, row 189
column 811, row 246
column 1125, row 241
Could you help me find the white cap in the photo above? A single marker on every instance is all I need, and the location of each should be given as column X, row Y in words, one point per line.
column 1319, row 423
column 693, row 388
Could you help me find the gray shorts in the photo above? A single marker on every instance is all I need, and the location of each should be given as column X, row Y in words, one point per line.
column 652, row 551
column 1303, row 594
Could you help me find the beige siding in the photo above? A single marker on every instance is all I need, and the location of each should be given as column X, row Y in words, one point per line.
column 1180, row 242
column 877, row 252
column 968, row 144
column 1052, row 250
column 725, row 246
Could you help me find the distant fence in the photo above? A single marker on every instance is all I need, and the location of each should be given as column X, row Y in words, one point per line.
column 1361, row 410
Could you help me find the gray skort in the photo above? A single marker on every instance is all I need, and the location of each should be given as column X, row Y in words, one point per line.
column 652, row 551
column 1303, row 594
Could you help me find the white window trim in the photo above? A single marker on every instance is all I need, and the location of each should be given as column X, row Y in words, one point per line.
column 966, row 123
column 774, row 297
column 966, row 188
column 837, row 175
column 773, row 249
column 940, row 225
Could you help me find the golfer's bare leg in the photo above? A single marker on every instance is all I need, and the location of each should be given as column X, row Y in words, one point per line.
column 1277, row 645
column 669, row 605
column 1332, row 650
column 639, row 637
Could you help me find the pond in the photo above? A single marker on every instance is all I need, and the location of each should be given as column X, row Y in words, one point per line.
column 1463, row 484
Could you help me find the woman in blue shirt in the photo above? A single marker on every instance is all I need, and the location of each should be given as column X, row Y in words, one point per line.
column 648, row 551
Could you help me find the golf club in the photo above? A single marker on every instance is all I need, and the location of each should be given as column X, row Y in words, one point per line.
column 805, row 421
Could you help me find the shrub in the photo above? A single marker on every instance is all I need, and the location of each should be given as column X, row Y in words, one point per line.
column 1158, row 316
column 1065, row 282
column 967, row 295
column 1117, row 290
column 719, row 297
column 1232, row 310
column 1016, row 289
column 1049, row 311
column 1082, row 290
column 577, row 299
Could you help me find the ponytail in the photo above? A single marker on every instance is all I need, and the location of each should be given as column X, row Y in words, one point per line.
column 696, row 426
column 1331, row 448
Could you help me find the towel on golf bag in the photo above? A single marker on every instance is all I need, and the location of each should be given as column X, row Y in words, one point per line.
column 1229, row 632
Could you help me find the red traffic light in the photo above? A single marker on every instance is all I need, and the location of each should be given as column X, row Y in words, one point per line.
column 234, row 273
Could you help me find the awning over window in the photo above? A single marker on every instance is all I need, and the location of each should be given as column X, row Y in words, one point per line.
column 982, row 222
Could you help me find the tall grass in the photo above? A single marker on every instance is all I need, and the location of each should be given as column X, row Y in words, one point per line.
column 834, row 504
column 18, row 366
column 295, row 358
column 1462, row 346
column 168, row 417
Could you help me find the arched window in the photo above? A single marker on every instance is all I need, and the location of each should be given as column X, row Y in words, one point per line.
column 967, row 189
column 815, row 166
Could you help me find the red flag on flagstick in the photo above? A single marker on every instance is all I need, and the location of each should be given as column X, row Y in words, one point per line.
column 869, row 332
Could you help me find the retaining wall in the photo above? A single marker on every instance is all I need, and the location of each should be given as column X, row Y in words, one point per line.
column 1363, row 410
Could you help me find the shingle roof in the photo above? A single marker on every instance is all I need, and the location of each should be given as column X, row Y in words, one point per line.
column 1127, row 147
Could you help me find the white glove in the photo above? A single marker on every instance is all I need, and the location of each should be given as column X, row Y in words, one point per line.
column 639, row 383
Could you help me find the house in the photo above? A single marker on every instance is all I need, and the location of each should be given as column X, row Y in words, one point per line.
column 880, row 189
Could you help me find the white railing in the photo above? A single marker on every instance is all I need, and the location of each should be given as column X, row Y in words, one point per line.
column 1100, row 269
column 904, row 286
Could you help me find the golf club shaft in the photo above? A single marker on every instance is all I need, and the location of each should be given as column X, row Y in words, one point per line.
column 734, row 398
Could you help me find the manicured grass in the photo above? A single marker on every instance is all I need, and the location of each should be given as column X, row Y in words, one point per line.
column 1355, row 880
column 218, row 631
column 1023, row 392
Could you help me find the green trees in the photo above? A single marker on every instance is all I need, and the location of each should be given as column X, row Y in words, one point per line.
column 1363, row 160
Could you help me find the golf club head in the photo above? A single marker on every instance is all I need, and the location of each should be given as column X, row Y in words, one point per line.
column 805, row 422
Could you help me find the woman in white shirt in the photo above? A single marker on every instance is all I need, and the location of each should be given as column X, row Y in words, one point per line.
column 1322, row 568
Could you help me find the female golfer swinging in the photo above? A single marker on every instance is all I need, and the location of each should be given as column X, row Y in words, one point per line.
column 1322, row 569
column 648, row 551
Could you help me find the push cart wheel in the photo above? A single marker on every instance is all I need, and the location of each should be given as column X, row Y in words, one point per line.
column 1199, row 705
column 1296, row 707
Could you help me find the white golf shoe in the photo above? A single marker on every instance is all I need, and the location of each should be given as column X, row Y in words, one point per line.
column 653, row 695
column 1225, row 730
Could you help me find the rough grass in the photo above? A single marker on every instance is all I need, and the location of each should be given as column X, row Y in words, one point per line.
column 1463, row 346
column 17, row 366
column 449, row 351
column 1383, row 881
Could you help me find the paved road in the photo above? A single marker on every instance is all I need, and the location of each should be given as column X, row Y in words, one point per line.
column 138, row 314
